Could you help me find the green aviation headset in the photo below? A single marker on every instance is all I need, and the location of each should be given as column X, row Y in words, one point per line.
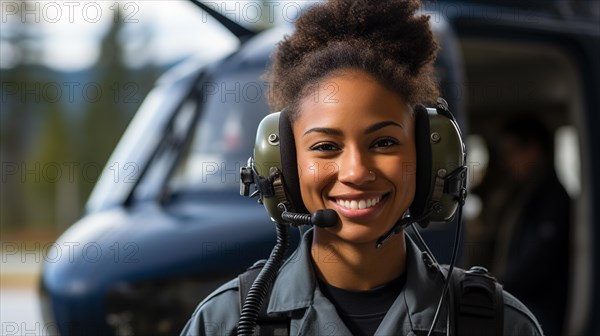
column 440, row 173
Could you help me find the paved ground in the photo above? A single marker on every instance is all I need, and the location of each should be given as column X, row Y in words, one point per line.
column 19, row 306
column 20, row 314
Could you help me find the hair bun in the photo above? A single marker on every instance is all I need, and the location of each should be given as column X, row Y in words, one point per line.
column 388, row 26
column 386, row 38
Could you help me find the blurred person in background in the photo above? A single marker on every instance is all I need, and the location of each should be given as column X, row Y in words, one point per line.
column 523, row 229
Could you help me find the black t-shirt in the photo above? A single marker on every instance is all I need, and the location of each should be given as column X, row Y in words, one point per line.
column 363, row 311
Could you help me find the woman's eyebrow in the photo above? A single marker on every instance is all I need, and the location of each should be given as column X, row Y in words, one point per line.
column 338, row 132
column 330, row 131
column 381, row 125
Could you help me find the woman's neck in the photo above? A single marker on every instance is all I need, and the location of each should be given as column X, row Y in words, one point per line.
column 353, row 266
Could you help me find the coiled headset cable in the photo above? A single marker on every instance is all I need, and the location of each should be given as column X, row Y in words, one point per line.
column 262, row 285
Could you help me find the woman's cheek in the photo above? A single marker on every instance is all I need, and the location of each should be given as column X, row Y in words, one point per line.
column 308, row 183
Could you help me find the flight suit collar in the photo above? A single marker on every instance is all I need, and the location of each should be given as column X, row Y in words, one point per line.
column 296, row 293
column 424, row 285
column 296, row 282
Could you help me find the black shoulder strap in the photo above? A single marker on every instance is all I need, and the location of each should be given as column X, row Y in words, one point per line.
column 478, row 303
column 269, row 325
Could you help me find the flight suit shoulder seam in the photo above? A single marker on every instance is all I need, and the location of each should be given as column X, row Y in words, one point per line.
column 231, row 286
column 523, row 312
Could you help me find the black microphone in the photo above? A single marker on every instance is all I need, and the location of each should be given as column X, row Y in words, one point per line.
column 400, row 225
column 322, row 218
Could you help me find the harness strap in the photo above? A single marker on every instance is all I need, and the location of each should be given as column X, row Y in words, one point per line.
column 478, row 303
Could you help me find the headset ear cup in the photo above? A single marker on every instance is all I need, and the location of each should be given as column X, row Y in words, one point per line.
column 289, row 165
column 424, row 164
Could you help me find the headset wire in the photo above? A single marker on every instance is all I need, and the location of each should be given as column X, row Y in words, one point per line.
column 450, row 269
column 264, row 281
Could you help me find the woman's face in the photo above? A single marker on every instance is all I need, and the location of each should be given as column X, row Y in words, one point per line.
column 356, row 154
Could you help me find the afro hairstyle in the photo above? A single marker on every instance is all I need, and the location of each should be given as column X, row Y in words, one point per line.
column 386, row 39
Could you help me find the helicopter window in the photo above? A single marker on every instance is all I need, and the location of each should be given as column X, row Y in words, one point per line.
column 567, row 160
column 223, row 139
column 172, row 141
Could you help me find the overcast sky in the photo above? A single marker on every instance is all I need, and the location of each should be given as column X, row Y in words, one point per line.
column 71, row 31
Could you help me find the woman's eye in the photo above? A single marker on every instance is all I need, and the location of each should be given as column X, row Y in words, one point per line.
column 324, row 147
column 386, row 142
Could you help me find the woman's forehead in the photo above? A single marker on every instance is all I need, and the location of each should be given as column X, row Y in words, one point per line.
column 353, row 97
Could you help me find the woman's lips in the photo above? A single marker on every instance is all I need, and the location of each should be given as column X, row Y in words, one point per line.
column 358, row 203
column 358, row 207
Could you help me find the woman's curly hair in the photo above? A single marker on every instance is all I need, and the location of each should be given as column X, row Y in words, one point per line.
column 384, row 38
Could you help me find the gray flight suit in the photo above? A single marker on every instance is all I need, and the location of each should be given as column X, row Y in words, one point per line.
column 295, row 292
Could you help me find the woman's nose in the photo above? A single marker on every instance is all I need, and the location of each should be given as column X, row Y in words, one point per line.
column 354, row 168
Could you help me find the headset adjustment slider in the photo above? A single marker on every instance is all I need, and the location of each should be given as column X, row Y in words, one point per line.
column 246, row 179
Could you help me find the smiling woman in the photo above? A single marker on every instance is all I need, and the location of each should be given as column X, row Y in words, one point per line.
column 355, row 137
column 367, row 188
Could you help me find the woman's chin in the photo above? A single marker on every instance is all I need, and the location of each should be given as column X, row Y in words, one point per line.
column 356, row 233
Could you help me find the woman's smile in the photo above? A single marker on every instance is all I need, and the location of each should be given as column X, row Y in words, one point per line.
column 360, row 206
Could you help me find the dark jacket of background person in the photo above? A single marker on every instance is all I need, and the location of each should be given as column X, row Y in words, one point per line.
column 535, row 265
column 525, row 223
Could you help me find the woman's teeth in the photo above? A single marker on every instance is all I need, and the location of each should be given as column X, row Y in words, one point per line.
column 358, row 204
